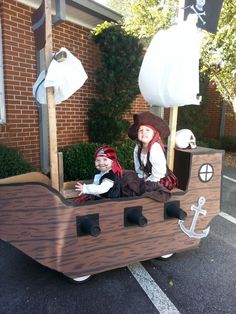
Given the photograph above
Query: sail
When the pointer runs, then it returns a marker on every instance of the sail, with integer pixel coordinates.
(169, 74)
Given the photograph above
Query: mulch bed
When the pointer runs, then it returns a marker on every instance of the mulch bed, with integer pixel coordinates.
(230, 159)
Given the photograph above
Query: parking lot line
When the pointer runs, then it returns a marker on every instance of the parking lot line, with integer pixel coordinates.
(228, 217)
(152, 290)
(230, 179)
(159, 299)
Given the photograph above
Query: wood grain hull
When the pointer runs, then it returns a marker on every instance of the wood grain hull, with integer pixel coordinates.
(37, 220)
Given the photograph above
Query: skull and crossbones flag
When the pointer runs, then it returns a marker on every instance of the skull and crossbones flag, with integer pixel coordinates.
(208, 12)
(38, 26)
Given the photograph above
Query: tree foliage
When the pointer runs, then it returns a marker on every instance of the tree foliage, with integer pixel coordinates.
(143, 18)
(219, 53)
(117, 5)
(116, 82)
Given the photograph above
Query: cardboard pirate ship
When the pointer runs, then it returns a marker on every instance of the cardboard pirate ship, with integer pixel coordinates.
(96, 236)
(84, 239)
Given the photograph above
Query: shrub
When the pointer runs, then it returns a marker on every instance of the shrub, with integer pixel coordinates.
(202, 142)
(12, 162)
(125, 154)
(116, 82)
(78, 159)
(210, 142)
(228, 143)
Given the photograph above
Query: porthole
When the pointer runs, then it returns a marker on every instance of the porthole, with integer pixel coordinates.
(206, 172)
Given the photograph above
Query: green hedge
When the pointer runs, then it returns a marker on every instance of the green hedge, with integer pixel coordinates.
(125, 152)
(227, 143)
(78, 159)
(209, 142)
(12, 162)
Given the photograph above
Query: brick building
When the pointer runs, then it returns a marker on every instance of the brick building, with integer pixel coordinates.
(20, 122)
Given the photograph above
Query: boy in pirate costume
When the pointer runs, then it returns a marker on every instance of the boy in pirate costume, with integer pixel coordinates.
(149, 158)
(107, 182)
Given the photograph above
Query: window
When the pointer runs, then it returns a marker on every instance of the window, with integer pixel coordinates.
(2, 94)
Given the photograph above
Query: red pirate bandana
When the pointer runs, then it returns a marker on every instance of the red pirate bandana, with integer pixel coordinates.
(108, 152)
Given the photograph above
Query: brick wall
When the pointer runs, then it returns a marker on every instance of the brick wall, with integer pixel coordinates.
(230, 121)
(214, 111)
(21, 130)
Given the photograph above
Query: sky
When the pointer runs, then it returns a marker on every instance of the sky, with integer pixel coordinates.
(103, 2)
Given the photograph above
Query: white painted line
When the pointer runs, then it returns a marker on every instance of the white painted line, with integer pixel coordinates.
(228, 217)
(230, 179)
(153, 291)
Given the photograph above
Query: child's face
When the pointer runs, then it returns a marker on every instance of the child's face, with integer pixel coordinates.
(103, 164)
(145, 134)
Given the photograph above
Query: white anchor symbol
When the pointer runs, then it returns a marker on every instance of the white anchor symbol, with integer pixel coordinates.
(198, 210)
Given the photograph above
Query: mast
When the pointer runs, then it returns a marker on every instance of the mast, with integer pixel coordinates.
(174, 111)
(51, 100)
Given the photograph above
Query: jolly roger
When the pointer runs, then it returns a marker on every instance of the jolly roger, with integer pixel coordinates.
(208, 12)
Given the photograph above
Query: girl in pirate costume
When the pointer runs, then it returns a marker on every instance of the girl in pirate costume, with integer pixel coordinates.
(107, 182)
(149, 158)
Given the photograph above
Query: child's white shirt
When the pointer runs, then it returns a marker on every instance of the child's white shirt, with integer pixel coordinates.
(157, 159)
(95, 188)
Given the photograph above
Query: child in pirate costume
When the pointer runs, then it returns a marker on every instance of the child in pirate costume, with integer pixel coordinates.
(106, 183)
(149, 158)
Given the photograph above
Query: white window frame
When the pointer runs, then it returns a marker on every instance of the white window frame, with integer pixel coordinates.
(2, 91)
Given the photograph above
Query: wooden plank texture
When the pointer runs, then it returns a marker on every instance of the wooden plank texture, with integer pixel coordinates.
(40, 222)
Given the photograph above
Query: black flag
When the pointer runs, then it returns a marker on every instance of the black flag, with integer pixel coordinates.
(208, 12)
(38, 26)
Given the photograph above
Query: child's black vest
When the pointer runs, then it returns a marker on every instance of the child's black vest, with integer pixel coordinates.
(147, 169)
(169, 181)
(115, 191)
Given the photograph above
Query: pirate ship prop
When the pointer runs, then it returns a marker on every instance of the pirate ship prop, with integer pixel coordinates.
(96, 236)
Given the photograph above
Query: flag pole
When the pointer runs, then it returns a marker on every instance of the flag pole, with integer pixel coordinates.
(51, 100)
(173, 111)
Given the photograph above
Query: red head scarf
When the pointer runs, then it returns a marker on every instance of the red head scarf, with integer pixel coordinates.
(108, 152)
(156, 138)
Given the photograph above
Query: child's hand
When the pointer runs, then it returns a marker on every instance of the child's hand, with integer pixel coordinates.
(79, 187)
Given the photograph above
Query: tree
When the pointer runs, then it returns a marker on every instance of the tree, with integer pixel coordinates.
(219, 53)
(116, 82)
(117, 5)
(143, 18)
